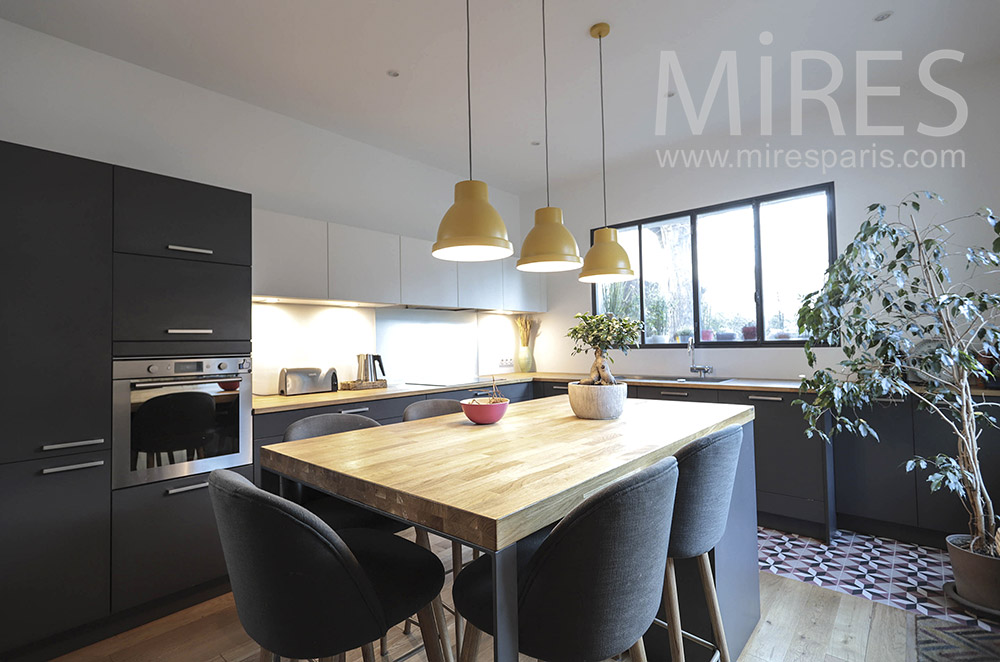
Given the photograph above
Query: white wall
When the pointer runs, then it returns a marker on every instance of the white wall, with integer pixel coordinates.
(642, 189)
(59, 96)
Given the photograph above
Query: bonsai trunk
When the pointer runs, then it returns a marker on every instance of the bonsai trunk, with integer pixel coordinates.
(600, 372)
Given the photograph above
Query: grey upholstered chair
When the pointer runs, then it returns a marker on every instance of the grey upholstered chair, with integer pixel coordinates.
(304, 591)
(431, 408)
(337, 513)
(590, 588)
(705, 488)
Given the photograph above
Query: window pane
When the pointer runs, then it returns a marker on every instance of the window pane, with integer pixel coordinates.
(666, 271)
(622, 299)
(794, 245)
(726, 275)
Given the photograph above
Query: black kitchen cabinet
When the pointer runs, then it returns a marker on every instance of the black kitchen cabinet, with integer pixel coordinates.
(513, 392)
(872, 481)
(795, 482)
(679, 393)
(548, 389)
(167, 217)
(164, 539)
(55, 263)
(56, 527)
(162, 303)
(942, 510)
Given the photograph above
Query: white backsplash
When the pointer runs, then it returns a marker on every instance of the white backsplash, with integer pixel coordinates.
(424, 346)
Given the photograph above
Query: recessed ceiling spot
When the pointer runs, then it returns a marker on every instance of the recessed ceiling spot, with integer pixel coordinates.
(392, 73)
(536, 143)
(882, 16)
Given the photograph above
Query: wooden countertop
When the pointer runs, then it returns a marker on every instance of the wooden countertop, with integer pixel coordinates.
(491, 485)
(266, 404)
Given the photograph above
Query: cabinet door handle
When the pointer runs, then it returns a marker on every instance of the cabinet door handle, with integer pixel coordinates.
(479, 394)
(187, 488)
(560, 388)
(675, 394)
(73, 467)
(189, 331)
(359, 410)
(190, 249)
(766, 398)
(72, 444)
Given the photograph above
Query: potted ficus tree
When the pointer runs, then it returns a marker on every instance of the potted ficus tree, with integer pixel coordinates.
(601, 396)
(906, 329)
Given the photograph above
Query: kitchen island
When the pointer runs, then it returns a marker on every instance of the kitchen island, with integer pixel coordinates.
(489, 486)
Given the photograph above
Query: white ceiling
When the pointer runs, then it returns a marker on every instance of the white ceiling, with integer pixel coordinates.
(324, 62)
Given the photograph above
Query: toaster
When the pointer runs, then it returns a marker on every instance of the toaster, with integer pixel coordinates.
(298, 381)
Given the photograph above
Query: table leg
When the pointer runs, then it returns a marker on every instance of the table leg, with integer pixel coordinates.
(505, 604)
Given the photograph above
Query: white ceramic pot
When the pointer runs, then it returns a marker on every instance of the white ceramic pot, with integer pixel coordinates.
(597, 402)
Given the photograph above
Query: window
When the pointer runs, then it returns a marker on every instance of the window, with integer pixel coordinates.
(732, 274)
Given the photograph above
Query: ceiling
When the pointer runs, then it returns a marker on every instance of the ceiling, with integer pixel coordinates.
(325, 62)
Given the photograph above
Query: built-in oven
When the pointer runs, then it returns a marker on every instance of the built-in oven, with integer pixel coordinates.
(175, 417)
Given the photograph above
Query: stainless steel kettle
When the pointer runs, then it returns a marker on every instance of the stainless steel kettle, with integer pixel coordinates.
(368, 366)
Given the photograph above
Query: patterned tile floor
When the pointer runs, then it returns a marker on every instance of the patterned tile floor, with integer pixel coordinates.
(899, 574)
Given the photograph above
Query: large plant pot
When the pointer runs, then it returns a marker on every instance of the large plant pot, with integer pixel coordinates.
(597, 402)
(977, 576)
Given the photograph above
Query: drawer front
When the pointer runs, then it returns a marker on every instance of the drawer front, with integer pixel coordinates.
(513, 392)
(163, 539)
(548, 389)
(157, 299)
(167, 217)
(273, 425)
(680, 393)
(56, 526)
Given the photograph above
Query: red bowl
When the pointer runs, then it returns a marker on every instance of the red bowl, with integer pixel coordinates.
(482, 413)
(230, 385)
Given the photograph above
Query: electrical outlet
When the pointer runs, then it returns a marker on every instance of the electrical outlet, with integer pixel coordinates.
(507, 363)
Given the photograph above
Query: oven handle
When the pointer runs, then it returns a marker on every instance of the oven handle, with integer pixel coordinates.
(193, 382)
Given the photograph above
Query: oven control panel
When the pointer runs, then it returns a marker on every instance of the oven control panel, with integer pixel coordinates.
(193, 367)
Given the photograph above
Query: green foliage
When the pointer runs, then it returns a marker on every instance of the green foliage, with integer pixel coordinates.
(621, 298)
(604, 332)
(886, 293)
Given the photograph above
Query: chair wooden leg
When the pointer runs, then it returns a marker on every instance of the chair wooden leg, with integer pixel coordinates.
(673, 610)
(456, 567)
(407, 627)
(437, 608)
(368, 652)
(428, 632)
(383, 645)
(470, 647)
(638, 652)
(714, 613)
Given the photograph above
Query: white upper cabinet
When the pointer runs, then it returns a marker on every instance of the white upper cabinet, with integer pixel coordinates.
(426, 280)
(523, 291)
(289, 256)
(364, 265)
(480, 285)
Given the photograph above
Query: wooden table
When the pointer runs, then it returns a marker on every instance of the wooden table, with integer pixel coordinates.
(490, 486)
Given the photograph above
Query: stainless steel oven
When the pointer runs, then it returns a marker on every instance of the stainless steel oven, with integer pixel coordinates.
(174, 417)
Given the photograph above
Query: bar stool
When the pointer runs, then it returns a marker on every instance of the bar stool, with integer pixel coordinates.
(304, 591)
(704, 489)
(590, 588)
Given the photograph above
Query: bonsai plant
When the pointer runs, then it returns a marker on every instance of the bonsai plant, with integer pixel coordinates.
(592, 397)
(890, 303)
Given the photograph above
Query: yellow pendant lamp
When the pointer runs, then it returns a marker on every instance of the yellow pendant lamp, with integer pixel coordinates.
(606, 261)
(471, 230)
(550, 246)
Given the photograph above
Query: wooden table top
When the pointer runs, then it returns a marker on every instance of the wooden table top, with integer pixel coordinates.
(493, 485)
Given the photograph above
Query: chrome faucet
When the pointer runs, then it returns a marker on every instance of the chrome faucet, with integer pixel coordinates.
(702, 370)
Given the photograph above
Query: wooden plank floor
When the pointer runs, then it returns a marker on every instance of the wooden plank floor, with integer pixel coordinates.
(799, 623)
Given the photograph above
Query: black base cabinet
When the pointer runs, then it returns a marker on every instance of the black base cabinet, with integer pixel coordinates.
(795, 479)
(56, 528)
(548, 389)
(164, 539)
(872, 481)
(942, 510)
(679, 393)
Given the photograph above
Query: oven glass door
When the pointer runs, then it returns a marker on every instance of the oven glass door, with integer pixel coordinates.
(175, 427)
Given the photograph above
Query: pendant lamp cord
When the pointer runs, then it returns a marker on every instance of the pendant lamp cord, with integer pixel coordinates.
(545, 79)
(604, 164)
(468, 77)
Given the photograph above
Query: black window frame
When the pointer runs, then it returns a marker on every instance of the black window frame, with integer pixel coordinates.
(692, 214)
